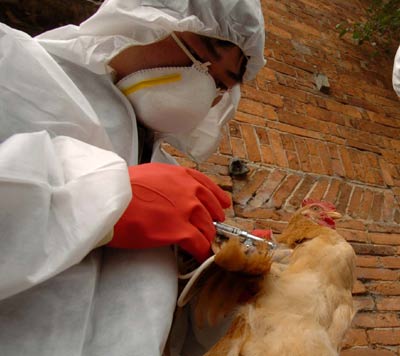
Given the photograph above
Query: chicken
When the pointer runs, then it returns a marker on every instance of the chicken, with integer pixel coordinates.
(305, 309)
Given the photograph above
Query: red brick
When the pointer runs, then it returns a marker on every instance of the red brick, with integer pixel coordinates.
(333, 151)
(386, 172)
(267, 156)
(316, 164)
(256, 213)
(368, 126)
(390, 262)
(351, 224)
(225, 144)
(333, 191)
(364, 303)
(251, 107)
(381, 118)
(262, 135)
(355, 201)
(214, 169)
(286, 188)
(368, 261)
(345, 109)
(309, 31)
(278, 31)
(249, 119)
(301, 191)
(384, 336)
(353, 235)
(324, 115)
(297, 131)
(238, 148)
(261, 96)
(355, 337)
(355, 156)
(387, 209)
(365, 205)
(302, 152)
(377, 273)
(277, 149)
(388, 303)
(384, 288)
(376, 320)
(304, 122)
(234, 129)
(358, 288)
(319, 188)
(376, 209)
(359, 172)
(288, 92)
(267, 74)
(293, 160)
(269, 185)
(368, 249)
(288, 143)
(365, 351)
(218, 159)
(347, 162)
(184, 162)
(337, 168)
(246, 193)
(281, 67)
(325, 158)
(251, 143)
(384, 239)
(223, 181)
(344, 197)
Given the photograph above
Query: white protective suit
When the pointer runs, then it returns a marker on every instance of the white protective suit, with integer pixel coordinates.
(67, 134)
(396, 73)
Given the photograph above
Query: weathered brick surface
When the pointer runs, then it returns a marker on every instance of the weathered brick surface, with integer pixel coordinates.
(343, 147)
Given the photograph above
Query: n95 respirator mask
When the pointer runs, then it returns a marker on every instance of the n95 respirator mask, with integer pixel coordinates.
(171, 99)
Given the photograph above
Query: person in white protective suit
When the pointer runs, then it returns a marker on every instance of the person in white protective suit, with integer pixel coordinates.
(396, 73)
(78, 106)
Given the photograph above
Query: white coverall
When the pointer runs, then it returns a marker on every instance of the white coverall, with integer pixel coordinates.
(396, 73)
(67, 134)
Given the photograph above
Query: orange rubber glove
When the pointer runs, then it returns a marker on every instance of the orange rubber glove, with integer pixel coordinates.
(171, 204)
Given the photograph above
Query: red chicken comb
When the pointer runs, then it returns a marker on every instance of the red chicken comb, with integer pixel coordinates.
(326, 204)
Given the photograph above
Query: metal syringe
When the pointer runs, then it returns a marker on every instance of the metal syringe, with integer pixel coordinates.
(220, 227)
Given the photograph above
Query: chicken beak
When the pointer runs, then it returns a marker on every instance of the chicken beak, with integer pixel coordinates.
(334, 215)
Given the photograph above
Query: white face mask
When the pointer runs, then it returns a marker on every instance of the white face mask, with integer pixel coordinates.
(171, 99)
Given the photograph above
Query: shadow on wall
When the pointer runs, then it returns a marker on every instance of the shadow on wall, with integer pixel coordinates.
(37, 16)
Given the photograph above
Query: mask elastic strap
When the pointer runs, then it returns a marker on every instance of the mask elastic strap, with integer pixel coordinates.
(201, 66)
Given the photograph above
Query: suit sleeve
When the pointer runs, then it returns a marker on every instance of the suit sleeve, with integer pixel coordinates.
(59, 199)
(396, 73)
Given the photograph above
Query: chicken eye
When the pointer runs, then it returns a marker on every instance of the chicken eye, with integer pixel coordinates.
(315, 208)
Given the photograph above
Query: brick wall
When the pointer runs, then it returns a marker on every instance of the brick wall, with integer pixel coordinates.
(343, 147)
